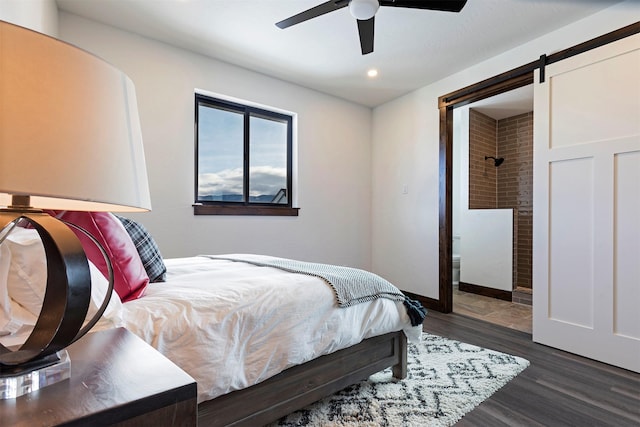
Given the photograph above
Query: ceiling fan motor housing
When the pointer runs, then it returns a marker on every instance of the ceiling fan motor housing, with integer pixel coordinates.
(363, 9)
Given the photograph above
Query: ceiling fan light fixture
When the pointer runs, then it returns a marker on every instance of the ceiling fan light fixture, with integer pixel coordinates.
(363, 9)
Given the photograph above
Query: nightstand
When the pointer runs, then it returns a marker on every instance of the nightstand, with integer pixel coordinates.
(116, 379)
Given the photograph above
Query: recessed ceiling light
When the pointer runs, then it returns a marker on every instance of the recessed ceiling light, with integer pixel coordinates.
(372, 72)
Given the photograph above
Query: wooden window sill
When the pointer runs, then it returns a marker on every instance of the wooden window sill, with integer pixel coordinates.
(244, 210)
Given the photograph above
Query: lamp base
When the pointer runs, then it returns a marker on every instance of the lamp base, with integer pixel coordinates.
(32, 376)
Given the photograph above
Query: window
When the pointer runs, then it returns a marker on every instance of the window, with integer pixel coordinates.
(243, 159)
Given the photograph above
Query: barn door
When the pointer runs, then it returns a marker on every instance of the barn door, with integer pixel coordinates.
(586, 247)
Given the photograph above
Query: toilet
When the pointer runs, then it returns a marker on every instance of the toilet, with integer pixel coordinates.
(455, 261)
(456, 269)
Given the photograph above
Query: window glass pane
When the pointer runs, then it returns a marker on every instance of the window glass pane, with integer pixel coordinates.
(267, 161)
(220, 155)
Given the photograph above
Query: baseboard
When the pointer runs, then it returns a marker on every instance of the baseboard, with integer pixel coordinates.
(522, 296)
(428, 303)
(485, 291)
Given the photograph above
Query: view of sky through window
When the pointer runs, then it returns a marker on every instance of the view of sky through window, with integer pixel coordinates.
(267, 158)
(220, 156)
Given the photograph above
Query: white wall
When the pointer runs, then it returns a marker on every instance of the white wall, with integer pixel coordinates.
(334, 155)
(460, 152)
(486, 248)
(405, 144)
(38, 15)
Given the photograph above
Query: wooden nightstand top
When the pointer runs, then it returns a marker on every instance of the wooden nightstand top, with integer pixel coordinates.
(115, 378)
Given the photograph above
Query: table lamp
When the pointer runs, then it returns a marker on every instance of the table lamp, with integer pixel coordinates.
(70, 139)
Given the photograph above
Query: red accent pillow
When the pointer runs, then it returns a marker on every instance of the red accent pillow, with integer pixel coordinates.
(130, 277)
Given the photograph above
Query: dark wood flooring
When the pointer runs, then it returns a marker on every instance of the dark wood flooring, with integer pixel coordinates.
(557, 389)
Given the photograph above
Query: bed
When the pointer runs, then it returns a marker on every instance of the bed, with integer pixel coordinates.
(308, 342)
(292, 343)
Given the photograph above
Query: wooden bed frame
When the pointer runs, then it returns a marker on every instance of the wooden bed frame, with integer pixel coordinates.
(304, 384)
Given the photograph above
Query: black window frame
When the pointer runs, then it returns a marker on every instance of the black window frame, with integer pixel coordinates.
(245, 207)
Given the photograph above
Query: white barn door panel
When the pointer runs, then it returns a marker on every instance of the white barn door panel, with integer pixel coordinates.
(586, 244)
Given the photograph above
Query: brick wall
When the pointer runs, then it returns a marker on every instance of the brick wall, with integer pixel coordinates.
(482, 173)
(515, 187)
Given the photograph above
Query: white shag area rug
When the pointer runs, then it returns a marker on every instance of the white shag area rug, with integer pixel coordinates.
(445, 380)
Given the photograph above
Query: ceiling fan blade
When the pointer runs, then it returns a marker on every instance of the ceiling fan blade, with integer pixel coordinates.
(443, 5)
(365, 29)
(321, 9)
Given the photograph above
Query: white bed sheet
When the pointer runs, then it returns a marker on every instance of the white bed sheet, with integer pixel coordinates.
(231, 325)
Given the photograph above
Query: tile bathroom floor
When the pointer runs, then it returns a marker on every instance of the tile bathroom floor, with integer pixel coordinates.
(505, 313)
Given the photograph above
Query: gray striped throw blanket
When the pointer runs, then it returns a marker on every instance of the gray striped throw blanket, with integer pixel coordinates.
(350, 285)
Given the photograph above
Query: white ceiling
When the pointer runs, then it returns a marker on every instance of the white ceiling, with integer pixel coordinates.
(507, 104)
(413, 47)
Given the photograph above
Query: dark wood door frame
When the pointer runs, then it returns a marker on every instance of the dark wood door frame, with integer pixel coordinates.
(496, 85)
(501, 83)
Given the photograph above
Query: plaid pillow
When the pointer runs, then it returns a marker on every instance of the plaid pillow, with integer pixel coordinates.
(147, 249)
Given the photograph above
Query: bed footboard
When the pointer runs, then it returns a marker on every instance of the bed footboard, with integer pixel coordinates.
(304, 384)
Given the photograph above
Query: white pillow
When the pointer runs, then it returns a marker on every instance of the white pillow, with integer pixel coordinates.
(27, 278)
(7, 324)
(113, 314)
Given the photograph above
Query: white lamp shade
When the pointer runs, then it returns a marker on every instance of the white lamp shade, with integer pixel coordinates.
(70, 134)
(363, 9)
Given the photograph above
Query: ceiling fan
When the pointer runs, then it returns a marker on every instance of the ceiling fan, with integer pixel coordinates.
(364, 11)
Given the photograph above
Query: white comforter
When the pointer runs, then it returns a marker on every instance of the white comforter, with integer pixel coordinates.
(231, 324)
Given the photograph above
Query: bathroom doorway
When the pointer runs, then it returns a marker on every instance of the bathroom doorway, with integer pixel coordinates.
(505, 82)
(492, 208)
